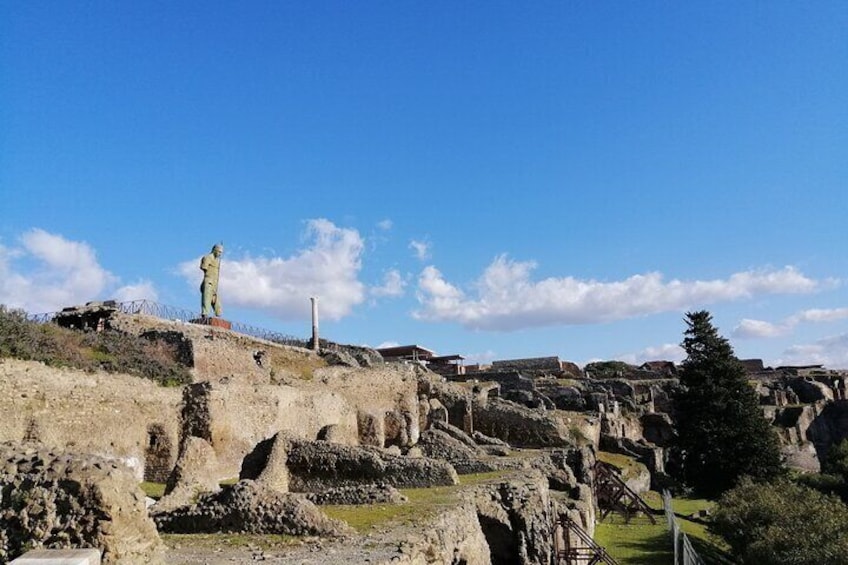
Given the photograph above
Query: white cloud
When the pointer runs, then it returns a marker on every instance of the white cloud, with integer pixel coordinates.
(832, 352)
(820, 315)
(664, 352)
(484, 358)
(748, 328)
(760, 329)
(385, 225)
(505, 298)
(327, 268)
(387, 344)
(142, 290)
(421, 248)
(47, 272)
(393, 285)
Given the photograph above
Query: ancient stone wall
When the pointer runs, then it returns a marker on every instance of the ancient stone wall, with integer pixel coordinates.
(388, 393)
(316, 466)
(534, 364)
(519, 426)
(112, 415)
(59, 500)
(235, 417)
(252, 508)
(517, 518)
(221, 355)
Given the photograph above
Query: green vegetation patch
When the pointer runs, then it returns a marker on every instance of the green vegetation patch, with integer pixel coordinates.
(628, 466)
(478, 478)
(609, 369)
(423, 503)
(642, 543)
(153, 490)
(293, 363)
(264, 542)
(638, 542)
(570, 382)
(111, 351)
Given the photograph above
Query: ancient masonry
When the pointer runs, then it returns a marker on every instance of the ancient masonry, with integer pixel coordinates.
(267, 435)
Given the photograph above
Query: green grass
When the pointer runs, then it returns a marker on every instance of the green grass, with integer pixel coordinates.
(636, 543)
(569, 382)
(628, 466)
(153, 490)
(423, 502)
(477, 478)
(231, 540)
(643, 543)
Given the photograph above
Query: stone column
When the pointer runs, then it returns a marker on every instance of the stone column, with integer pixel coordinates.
(315, 340)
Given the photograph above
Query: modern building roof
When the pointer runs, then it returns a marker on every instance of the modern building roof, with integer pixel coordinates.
(445, 358)
(406, 352)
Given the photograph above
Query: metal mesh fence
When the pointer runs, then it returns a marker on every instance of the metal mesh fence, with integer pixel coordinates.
(150, 308)
(684, 553)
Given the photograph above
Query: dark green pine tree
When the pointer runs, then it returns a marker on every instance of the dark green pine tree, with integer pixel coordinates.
(722, 434)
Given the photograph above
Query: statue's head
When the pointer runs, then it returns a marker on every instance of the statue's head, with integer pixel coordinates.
(217, 249)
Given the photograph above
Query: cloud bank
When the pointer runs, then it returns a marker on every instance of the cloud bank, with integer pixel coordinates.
(505, 298)
(46, 272)
(328, 267)
(748, 328)
(832, 352)
(664, 352)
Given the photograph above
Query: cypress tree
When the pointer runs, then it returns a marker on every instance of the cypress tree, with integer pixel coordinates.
(722, 434)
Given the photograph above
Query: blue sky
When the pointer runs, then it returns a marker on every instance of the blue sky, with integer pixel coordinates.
(492, 179)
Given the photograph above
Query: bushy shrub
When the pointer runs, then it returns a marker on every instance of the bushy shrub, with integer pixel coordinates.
(825, 483)
(782, 523)
(109, 350)
(609, 369)
(836, 461)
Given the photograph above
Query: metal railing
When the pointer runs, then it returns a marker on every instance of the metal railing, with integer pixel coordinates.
(684, 553)
(150, 308)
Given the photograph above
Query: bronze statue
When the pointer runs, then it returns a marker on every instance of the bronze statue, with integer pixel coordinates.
(211, 266)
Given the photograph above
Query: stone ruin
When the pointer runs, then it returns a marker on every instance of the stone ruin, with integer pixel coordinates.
(357, 431)
(61, 499)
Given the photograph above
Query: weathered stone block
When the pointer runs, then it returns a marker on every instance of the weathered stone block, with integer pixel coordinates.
(61, 500)
(59, 557)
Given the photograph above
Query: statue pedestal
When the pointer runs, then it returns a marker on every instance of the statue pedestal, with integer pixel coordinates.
(214, 322)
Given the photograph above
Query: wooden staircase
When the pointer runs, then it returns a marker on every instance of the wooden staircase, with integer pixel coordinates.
(613, 495)
(575, 547)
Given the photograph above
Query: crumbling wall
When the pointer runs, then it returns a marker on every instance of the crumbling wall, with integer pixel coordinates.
(519, 426)
(517, 518)
(315, 466)
(253, 508)
(59, 500)
(386, 396)
(507, 521)
(222, 355)
(99, 413)
(235, 417)
(533, 364)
